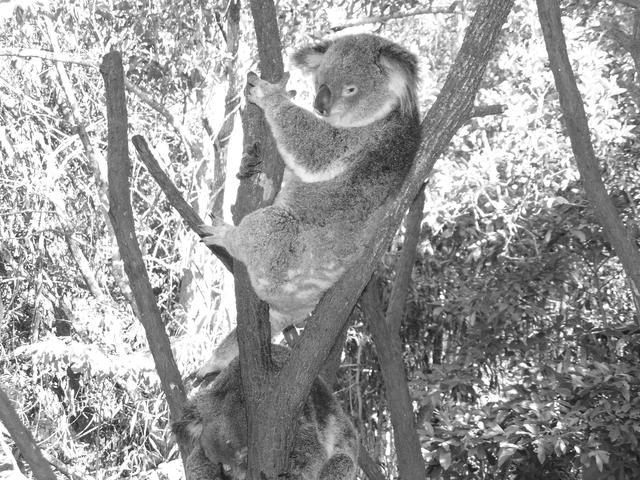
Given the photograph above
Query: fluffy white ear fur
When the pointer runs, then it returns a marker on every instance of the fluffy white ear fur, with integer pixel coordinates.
(401, 83)
(309, 58)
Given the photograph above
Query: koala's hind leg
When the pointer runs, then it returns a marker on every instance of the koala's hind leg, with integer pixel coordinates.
(199, 467)
(338, 467)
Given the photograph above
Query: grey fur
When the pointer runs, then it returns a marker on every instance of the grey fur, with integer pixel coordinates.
(342, 168)
(325, 447)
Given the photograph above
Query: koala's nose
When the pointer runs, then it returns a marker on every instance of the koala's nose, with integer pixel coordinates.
(322, 103)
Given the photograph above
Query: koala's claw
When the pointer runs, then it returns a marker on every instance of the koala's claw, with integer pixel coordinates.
(258, 89)
(214, 234)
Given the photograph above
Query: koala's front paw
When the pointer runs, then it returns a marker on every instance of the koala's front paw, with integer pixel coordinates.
(258, 90)
(215, 234)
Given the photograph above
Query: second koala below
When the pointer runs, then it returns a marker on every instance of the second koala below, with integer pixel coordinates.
(325, 447)
(342, 167)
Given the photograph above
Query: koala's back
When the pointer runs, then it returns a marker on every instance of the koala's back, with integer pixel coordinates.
(214, 418)
(332, 220)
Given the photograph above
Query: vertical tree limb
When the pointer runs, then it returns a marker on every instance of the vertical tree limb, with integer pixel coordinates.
(24, 440)
(269, 440)
(389, 349)
(119, 168)
(578, 129)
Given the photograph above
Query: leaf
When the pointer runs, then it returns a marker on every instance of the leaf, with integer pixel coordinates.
(560, 447)
(541, 452)
(579, 234)
(444, 458)
(505, 454)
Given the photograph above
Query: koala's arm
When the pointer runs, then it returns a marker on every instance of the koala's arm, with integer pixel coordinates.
(311, 147)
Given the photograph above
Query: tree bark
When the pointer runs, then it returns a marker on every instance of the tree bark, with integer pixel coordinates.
(575, 120)
(270, 440)
(276, 407)
(386, 336)
(389, 349)
(121, 213)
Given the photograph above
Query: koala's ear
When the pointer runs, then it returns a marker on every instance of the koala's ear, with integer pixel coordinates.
(396, 60)
(309, 58)
(401, 68)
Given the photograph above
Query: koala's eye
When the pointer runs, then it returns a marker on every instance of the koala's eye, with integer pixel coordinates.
(348, 90)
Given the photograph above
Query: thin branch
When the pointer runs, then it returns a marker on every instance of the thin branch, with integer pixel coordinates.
(487, 110)
(98, 164)
(68, 58)
(394, 16)
(175, 198)
(24, 440)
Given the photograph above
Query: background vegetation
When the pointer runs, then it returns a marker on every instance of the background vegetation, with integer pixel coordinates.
(521, 335)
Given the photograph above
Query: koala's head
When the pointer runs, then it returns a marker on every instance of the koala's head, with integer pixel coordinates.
(360, 79)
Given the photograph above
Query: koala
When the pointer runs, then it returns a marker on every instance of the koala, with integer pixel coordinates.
(343, 165)
(325, 446)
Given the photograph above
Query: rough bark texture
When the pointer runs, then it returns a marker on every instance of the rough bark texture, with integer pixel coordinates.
(269, 440)
(575, 120)
(119, 167)
(277, 405)
(24, 440)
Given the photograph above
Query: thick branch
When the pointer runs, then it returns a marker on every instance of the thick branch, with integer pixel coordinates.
(174, 197)
(24, 440)
(119, 167)
(404, 266)
(394, 16)
(578, 130)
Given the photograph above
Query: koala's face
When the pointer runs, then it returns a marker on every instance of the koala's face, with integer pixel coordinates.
(359, 79)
